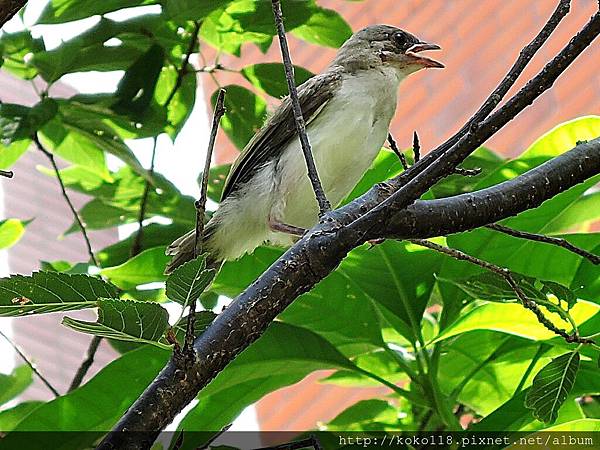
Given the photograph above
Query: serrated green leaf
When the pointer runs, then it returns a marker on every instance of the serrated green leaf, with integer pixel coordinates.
(60, 11)
(188, 281)
(126, 320)
(270, 77)
(244, 114)
(44, 292)
(11, 230)
(15, 383)
(146, 267)
(551, 386)
(180, 10)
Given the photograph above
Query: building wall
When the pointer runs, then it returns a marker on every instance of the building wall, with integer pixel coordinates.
(480, 41)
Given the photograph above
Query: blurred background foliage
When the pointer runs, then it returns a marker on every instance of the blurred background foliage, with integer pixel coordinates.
(433, 330)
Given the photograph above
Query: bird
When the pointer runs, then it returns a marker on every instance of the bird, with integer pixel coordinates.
(267, 196)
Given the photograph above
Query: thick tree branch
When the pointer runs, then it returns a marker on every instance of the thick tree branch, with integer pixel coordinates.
(8, 8)
(324, 205)
(318, 252)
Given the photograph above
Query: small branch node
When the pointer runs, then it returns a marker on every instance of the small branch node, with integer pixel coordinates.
(7, 173)
(467, 172)
(396, 150)
(416, 147)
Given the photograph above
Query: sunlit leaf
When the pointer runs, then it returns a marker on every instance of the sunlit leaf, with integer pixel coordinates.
(126, 320)
(270, 77)
(44, 292)
(143, 268)
(59, 11)
(551, 386)
(188, 281)
(11, 153)
(15, 383)
(11, 230)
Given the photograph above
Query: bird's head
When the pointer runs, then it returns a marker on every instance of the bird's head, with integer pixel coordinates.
(384, 45)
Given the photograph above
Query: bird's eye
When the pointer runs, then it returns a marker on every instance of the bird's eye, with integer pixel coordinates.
(400, 39)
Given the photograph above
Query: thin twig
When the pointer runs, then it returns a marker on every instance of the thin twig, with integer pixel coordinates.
(324, 205)
(136, 246)
(560, 242)
(86, 364)
(396, 150)
(183, 70)
(201, 203)
(416, 147)
(63, 189)
(30, 364)
(188, 346)
(508, 277)
(7, 173)
(213, 438)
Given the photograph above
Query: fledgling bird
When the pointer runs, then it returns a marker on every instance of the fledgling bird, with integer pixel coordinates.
(267, 196)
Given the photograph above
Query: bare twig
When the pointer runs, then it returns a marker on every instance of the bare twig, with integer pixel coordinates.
(188, 346)
(30, 364)
(507, 275)
(416, 147)
(560, 242)
(183, 70)
(6, 173)
(63, 189)
(213, 438)
(86, 363)
(136, 246)
(396, 150)
(324, 205)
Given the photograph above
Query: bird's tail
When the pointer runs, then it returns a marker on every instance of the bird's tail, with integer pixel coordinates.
(181, 250)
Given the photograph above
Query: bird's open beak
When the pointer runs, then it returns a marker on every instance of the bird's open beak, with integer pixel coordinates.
(424, 60)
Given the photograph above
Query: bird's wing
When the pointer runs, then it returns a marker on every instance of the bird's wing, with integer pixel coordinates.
(272, 138)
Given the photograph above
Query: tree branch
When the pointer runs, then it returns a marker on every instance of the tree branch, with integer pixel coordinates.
(7, 173)
(324, 205)
(319, 251)
(8, 8)
(86, 363)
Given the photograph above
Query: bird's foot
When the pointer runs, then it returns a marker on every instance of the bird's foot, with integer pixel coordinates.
(275, 225)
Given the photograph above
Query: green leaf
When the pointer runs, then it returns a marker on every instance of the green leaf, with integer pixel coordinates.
(513, 318)
(188, 281)
(587, 425)
(244, 114)
(270, 78)
(283, 355)
(11, 230)
(154, 235)
(21, 122)
(17, 49)
(181, 105)
(551, 386)
(11, 153)
(366, 415)
(126, 320)
(14, 384)
(11, 417)
(105, 398)
(378, 362)
(136, 89)
(44, 292)
(146, 267)
(324, 27)
(180, 10)
(60, 11)
(564, 137)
